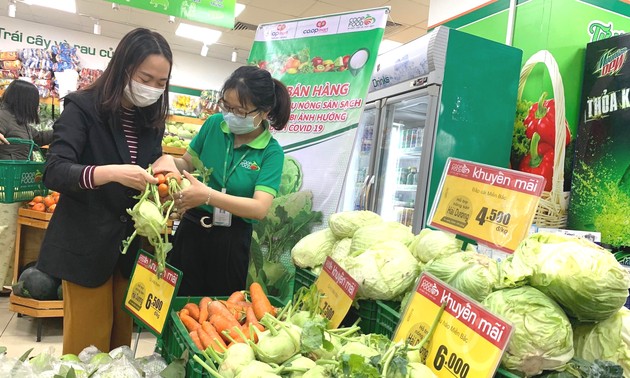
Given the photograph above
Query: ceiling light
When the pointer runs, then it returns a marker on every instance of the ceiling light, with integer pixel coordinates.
(97, 28)
(171, 19)
(69, 6)
(386, 45)
(115, 6)
(238, 9)
(234, 56)
(198, 33)
(12, 8)
(204, 50)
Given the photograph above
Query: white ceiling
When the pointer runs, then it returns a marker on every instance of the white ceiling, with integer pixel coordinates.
(410, 18)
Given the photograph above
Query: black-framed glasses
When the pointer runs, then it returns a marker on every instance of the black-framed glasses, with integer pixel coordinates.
(240, 113)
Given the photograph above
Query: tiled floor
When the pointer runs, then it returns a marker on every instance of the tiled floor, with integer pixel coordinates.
(19, 334)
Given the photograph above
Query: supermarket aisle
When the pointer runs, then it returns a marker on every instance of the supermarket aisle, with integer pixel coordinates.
(19, 334)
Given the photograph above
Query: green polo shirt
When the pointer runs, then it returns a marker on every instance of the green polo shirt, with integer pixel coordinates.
(254, 166)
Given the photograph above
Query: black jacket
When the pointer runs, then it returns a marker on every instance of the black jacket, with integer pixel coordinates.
(84, 237)
(11, 129)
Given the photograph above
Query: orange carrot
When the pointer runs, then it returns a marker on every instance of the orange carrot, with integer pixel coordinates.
(222, 322)
(190, 323)
(184, 311)
(217, 341)
(260, 301)
(193, 308)
(195, 338)
(251, 319)
(237, 296)
(203, 309)
(237, 311)
(216, 307)
(243, 304)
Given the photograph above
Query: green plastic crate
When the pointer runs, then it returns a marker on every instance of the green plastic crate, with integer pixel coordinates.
(387, 317)
(501, 373)
(175, 340)
(303, 278)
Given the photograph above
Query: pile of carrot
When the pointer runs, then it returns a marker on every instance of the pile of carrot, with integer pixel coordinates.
(217, 324)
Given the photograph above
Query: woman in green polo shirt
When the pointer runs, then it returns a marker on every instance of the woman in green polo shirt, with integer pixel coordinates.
(211, 245)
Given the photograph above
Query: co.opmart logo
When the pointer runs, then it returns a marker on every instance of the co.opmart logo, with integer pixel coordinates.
(320, 27)
(611, 62)
(361, 22)
(280, 31)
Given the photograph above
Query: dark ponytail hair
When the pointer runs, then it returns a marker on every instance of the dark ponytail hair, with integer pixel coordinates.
(21, 99)
(256, 86)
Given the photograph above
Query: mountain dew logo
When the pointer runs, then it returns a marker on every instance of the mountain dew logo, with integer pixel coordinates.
(251, 165)
(611, 62)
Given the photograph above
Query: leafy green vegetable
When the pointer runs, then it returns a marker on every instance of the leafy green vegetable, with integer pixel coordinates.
(372, 234)
(291, 179)
(429, 244)
(313, 249)
(344, 224)
(606, 340)
(542, 338)
(473, 273)
(584, 278)
(520, 141)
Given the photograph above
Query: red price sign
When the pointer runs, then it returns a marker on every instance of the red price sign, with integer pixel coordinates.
(339, 290)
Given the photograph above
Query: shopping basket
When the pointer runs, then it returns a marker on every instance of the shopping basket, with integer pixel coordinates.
(552, 209)
(21, 180)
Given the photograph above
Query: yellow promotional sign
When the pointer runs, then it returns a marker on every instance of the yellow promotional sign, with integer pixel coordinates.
(339, 290)
(468, 341)
(494, 206)
(149, 297)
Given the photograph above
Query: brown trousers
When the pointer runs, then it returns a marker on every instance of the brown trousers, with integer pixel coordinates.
(94, 316)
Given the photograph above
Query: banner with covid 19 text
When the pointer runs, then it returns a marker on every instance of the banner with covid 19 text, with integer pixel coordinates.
(327, 63)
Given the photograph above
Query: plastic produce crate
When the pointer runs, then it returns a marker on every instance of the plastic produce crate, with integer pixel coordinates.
(502, 373)
(175, 340)
(387, 317)
(303, 278)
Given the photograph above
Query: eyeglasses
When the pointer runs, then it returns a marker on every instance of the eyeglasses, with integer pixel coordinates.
(240, 113)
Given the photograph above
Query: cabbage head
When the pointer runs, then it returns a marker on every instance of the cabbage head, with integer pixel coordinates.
(293, 204)
(584, 278)
(344, 224)
(542, 337)
(341, 251)
(429, 244)
(291, 179)
(606, 340)
(367, 236)
(472, 273)
(313, 249)
(385, 271)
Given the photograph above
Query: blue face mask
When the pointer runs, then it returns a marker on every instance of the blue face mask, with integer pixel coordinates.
(238, 125)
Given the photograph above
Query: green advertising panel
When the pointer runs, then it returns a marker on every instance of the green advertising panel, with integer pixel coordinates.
(213, 12)
(326, 64)
(553, 36)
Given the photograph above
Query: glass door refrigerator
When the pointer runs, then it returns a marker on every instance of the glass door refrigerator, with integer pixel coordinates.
(446, 94)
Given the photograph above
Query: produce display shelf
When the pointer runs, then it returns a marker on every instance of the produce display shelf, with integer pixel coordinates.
(175, 151)
(174, 341)
(184, 119)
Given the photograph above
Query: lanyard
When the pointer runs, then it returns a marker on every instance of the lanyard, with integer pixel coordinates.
(226, 174)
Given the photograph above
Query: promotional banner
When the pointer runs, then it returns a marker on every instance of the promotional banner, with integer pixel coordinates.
(213, 12)
(326, 62)
(556, 31)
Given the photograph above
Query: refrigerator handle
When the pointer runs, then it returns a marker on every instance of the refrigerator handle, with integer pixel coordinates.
(362, 197)
(367, 192)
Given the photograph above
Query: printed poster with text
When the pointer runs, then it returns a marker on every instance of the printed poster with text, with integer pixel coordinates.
(326, 63)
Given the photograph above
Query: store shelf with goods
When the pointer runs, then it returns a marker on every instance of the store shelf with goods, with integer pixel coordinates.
(410, 153)
(175, 151)
(406, 188)
(184, 119)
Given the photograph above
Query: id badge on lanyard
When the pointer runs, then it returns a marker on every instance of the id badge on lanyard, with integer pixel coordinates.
(221, 217)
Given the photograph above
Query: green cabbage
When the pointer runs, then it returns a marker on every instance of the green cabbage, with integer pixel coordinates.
(384, 271)
(472, 273)
(542, 337)
(291, 179)
(429, 244)
(341, 251)
(344, 224)
(313, 249)
(606, 340)
(584, 278)
(293, 204)
(367, 236)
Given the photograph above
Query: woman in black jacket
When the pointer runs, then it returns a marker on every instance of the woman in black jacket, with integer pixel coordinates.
(18, 112)
(104, 140)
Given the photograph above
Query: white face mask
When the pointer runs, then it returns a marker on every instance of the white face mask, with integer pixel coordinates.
(240, 126)
(143, 95)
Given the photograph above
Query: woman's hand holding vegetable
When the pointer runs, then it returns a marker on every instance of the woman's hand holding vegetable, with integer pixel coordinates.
(129, 175)
(194, 195)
